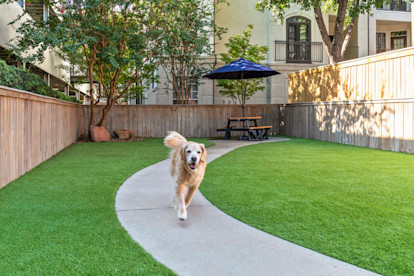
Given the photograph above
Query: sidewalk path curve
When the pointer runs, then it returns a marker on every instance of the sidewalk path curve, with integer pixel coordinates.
(210, 242)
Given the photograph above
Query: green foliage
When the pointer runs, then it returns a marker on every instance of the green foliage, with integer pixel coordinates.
(186, 44)
(240, 47)
(353, 8)
(18, 78)
(112, 43)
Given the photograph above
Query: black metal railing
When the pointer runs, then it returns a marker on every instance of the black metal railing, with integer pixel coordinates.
(396, 5)
(298, 51)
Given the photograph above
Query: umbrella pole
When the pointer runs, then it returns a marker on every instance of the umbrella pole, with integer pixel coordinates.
(243, 101)
(243, 96)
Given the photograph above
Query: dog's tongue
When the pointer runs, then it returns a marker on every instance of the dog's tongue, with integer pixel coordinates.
(193, 166)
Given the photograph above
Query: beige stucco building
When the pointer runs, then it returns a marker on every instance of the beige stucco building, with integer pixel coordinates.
(295, 45)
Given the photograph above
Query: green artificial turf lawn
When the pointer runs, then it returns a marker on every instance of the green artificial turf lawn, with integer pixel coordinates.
(354, 204)
(60, 219)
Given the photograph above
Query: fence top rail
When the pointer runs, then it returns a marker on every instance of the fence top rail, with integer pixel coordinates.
(298, 42)
(353, 102)
(22, 94)
(188, 105)
(409, 51)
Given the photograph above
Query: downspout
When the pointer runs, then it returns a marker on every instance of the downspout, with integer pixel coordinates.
(268, 82)
(412, 24)
(215, 56)
(368, 33)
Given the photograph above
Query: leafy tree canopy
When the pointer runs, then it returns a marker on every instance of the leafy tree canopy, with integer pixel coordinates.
(112, 42)
(187, 44)
(347, 12)
(240, 47)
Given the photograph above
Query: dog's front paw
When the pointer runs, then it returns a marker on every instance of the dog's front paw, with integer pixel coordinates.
(182, 214)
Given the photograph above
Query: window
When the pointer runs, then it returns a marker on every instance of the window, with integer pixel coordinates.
(154, 82)
(21, 3)
(398, 5)
(45, 13)
(398, 40)
(381, 42)
(193, 93)
(298, 31)
(402, 33)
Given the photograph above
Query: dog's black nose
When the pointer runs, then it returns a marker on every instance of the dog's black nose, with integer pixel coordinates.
(194, 159)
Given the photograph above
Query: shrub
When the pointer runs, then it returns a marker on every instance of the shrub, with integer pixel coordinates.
(18, 78)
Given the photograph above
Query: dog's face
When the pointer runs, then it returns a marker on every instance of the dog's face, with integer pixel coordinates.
(193, 153)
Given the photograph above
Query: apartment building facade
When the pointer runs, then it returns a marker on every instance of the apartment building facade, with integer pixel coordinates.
(294, 45)
(51, 70)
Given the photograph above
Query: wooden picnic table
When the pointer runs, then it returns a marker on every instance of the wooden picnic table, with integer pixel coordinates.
(253, 132)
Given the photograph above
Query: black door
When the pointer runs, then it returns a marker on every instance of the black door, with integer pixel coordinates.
(298, 48)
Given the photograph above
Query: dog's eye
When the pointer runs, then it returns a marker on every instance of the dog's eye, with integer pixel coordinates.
(188, 151)
(198, 152)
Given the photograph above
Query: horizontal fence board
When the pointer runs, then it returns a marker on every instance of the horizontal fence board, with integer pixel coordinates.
(189, 120)
(33, 129)
(383, 76)
(387, 125)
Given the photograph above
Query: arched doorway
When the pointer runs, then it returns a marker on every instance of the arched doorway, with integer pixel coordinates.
(298, 37)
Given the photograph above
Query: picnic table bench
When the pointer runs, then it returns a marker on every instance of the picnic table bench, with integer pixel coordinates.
(253, 132)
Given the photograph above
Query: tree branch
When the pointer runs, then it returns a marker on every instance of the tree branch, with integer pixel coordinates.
(322, 29)
(347, 38)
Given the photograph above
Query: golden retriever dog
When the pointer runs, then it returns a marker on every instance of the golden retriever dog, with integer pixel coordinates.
(188, 164)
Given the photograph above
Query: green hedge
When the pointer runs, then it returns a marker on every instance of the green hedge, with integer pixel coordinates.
(18, 78)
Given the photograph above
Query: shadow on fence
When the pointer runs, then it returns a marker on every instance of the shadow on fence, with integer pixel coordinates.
(383, 125)
(384, 76)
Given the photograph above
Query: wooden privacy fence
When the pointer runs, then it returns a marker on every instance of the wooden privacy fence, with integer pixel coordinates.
(189, 120)
(380, 124)
(366, 102)
(383, 76)
(33, 128)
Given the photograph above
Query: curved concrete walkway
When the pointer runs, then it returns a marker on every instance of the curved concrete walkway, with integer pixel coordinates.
(210, 242)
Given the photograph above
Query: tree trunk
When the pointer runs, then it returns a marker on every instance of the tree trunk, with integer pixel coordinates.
(335, 55)
(105, 112)
(110, 102)
(333, 48)
(92, 104)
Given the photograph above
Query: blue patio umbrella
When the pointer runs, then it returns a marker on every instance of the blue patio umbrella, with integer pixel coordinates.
(239, 70)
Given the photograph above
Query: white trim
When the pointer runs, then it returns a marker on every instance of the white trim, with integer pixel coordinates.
(354, 102)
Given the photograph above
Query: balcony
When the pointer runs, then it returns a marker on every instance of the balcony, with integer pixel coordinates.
(396, 5)
(298, 51)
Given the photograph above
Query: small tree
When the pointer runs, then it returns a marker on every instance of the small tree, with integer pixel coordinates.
(347, 12)
(240, 47)
(187, 43)
(113, 41)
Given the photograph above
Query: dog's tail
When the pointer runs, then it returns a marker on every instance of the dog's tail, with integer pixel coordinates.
(174, 140)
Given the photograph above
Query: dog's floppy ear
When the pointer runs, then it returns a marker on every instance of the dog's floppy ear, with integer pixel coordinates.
(204, 153)
(182, 152)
